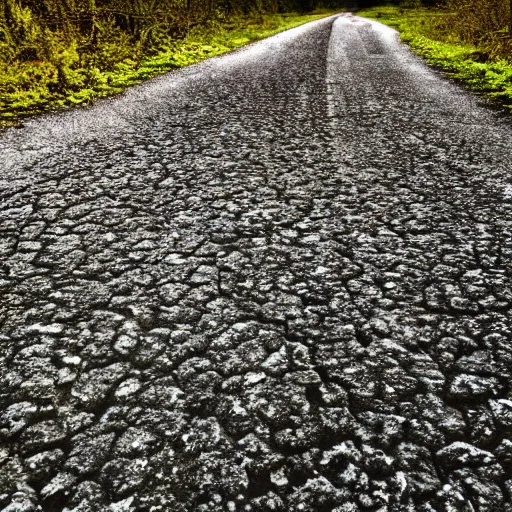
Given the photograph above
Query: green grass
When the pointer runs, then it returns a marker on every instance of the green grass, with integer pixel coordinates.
(28, 88)
(472, 65)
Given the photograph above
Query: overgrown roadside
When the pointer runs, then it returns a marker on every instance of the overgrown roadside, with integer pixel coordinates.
(31, 87)
(484, 64)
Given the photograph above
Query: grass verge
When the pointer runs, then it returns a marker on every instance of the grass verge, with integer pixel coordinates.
(28, 88)
(472, 65)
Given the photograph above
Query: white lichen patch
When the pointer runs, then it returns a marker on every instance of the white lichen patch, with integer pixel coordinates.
(127, 388)
(46, 329)
(253, 378)
(279, 477)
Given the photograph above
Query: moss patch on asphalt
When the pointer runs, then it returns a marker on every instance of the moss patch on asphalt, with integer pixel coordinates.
(28, 88)
(472, 65)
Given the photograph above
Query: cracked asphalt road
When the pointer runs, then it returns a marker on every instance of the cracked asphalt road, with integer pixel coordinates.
(279, 280)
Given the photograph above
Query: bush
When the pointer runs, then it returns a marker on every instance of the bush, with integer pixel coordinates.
(483, 23)
(478, 20)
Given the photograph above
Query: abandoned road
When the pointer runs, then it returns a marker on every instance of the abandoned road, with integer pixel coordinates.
(279, 280)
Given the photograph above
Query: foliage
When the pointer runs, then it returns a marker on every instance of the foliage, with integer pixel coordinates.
(482, 22)
(432, 33)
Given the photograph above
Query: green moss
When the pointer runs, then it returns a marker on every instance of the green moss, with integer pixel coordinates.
(68, 79)
(474, 66)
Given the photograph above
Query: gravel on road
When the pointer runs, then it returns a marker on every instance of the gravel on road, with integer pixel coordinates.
(279, 280)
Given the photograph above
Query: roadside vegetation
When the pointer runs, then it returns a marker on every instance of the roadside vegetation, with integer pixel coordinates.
(59, 53)
(471, 41)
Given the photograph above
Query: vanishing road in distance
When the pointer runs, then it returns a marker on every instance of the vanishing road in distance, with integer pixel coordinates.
(278, 280)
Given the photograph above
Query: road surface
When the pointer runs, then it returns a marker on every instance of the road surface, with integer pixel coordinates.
(279, 280)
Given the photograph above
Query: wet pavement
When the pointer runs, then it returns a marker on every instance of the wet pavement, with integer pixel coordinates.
(279, 280)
